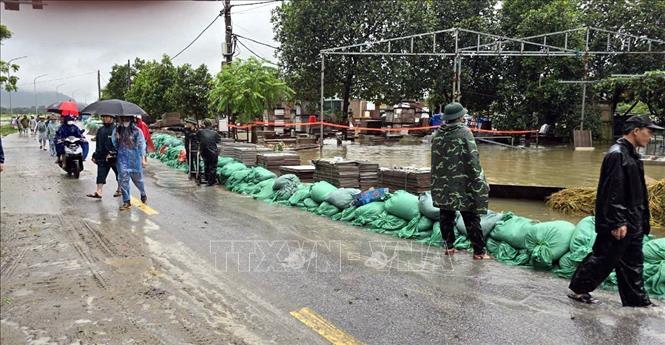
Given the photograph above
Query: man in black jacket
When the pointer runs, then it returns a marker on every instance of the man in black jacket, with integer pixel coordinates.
(208, 140)
(622, 220)
(104, 156)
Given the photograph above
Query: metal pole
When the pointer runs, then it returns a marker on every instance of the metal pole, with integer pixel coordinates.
(99, 85)
(323, 71)
(34, 90)
(9, 75)
(229, 31)
(583, 100)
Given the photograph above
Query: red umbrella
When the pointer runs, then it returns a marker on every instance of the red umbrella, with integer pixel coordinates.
(64, 108)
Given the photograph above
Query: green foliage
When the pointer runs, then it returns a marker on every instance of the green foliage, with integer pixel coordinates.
(7, 81)
(149, 87)
(118, 85)
(189, 93)
(247, 88)
(647, 88)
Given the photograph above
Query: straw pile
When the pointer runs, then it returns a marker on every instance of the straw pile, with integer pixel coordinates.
(582, 201)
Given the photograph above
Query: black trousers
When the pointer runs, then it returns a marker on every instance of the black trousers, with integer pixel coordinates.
(210, 162)
(626, 257)
(472, 224)
(103, 170)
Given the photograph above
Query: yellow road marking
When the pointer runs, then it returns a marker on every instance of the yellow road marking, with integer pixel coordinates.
(322, 326)
(143, 207)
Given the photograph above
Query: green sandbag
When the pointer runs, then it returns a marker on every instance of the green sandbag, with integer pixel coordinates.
(462, 243)
(343, 197)
(403, 204)
(236, 178)
(327, 209)
(265, 191)
(321, 190)
(287, 190)
(345, 213)
(581, 245)
(259, 174)
(487, 222)
(584, 235)
(654, 266)
(222, 161)
(366, 214)
(388, 223)
(547, 242)
(426, 207)
(503, 252)
(310, 204)
(654, 251)
(512, 230)
(300, 195)
(230, 168)
(435, 238)
(286, 180)
(420, 224)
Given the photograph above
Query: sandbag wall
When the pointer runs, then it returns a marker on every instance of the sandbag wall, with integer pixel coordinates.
(555, 246)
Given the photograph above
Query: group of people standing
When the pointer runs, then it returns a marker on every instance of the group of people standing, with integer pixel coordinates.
(122, 145)
(201, 141)
(622, 205)
(43, 128)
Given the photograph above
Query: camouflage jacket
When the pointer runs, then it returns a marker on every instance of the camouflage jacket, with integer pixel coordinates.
(458, 180)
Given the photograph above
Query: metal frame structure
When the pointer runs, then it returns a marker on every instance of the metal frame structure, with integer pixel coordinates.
(459, 43)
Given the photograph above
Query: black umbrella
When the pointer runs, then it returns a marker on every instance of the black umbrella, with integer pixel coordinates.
(113, 107)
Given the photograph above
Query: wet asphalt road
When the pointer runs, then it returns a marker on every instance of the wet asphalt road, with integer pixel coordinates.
(269, 261)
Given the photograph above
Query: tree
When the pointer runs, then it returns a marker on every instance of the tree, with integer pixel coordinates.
(7, 80)
(189, 93)
(247, 88)
(304, 27)
(118, 84)
(648, 88)
(150, 87)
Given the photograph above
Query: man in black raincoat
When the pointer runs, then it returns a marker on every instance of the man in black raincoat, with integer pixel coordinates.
(208, 140)
(622, 220)
(191, 143)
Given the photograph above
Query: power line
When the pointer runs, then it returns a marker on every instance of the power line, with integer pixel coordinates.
(199, 35)
(253, 9)
(255, 54)
(256, 3)
(261, 43)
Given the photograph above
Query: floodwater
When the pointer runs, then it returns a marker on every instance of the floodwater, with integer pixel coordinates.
(549, 166)
(552, 166)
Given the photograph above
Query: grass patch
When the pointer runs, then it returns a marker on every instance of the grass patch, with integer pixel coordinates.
(7, 129)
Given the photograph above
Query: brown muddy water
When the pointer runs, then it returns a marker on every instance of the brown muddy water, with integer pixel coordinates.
(550, 166)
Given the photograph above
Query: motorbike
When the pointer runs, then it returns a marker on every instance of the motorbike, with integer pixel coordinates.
(72, 160)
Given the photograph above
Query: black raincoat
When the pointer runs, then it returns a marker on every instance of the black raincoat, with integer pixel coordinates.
(622, 200)
(208, 140)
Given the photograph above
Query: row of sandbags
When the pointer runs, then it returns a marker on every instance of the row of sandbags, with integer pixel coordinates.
(558, 246)
(169, 150)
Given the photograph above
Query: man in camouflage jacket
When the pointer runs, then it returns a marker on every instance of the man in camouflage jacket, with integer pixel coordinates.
(458, 180)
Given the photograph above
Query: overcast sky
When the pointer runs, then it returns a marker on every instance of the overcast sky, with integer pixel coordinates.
(70, 40)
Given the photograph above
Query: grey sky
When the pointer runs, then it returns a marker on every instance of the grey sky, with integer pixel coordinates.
(72, 40)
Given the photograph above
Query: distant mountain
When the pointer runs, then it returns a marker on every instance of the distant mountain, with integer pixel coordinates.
(27, 99)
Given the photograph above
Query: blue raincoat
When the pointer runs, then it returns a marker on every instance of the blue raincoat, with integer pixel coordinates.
(129, 156)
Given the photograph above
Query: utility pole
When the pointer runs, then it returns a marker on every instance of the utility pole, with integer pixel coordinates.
(99, 86)
(228, 56)
(129, 75)
(228, 29)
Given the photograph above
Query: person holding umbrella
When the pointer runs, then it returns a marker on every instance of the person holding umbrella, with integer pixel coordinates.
(105, 156)
(130, 145)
